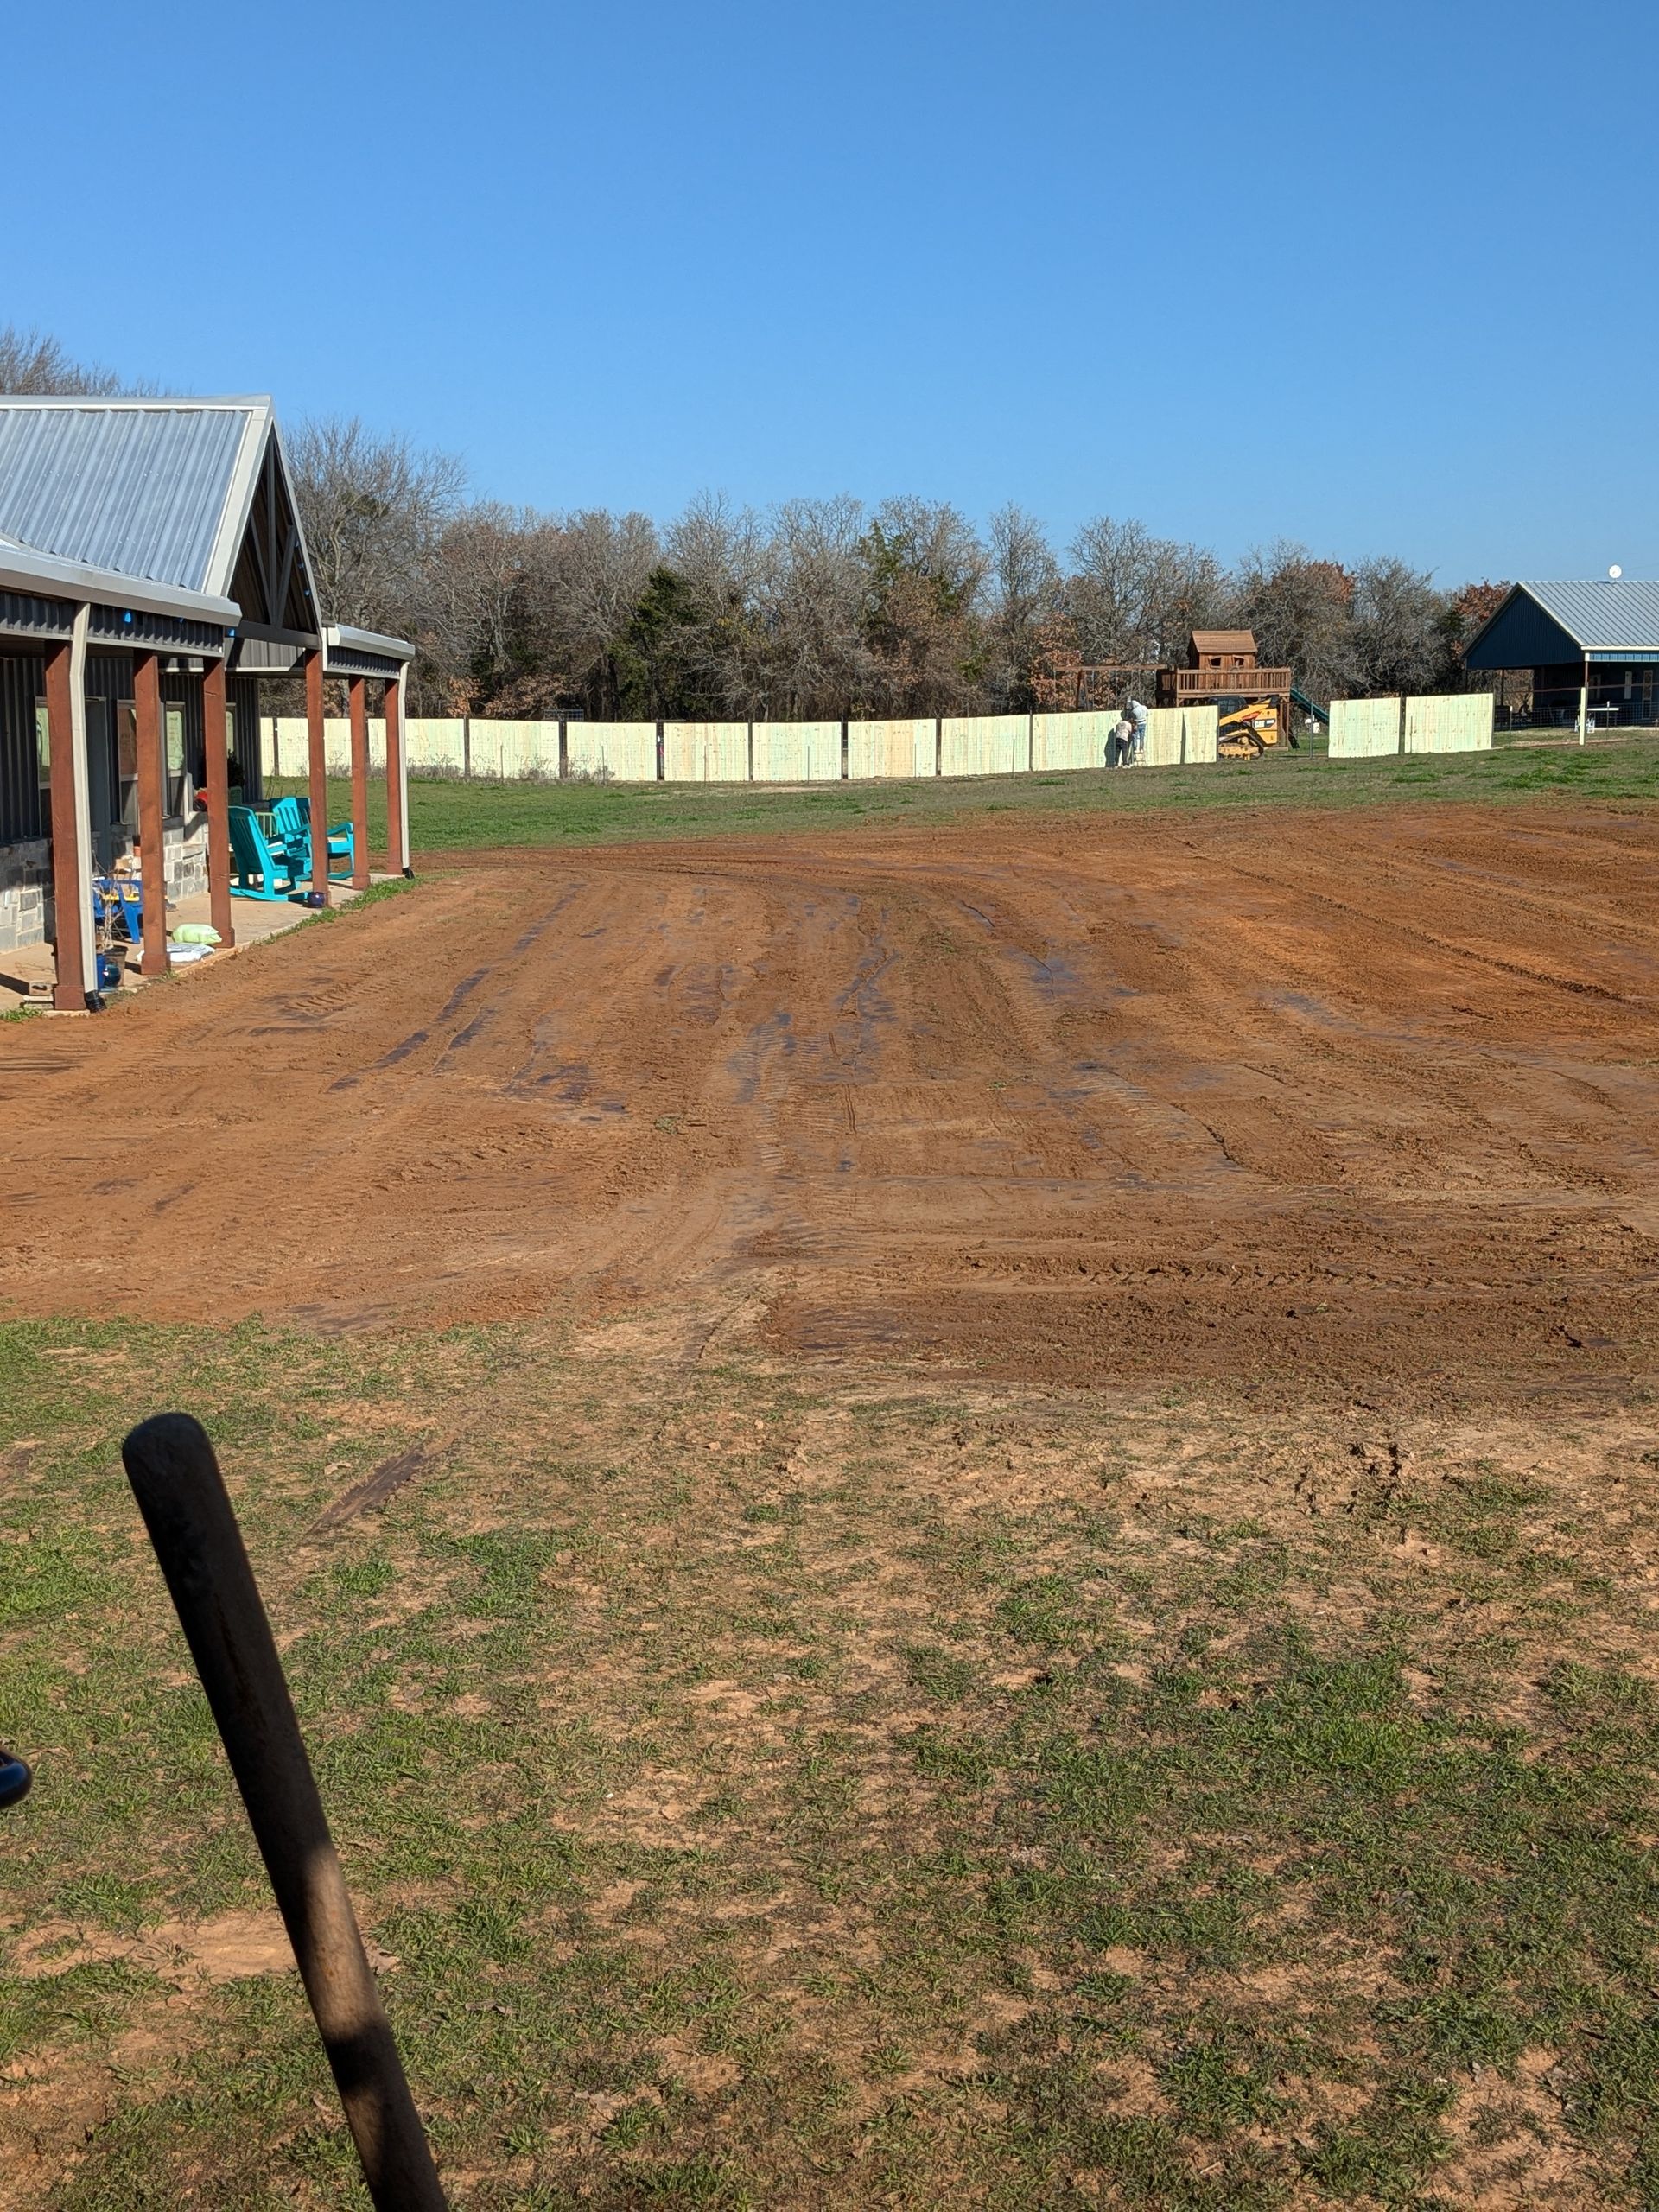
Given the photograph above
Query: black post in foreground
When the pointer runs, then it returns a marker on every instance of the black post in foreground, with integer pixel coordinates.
(191, 1524)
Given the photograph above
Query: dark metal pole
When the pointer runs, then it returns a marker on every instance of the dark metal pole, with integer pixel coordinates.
(191, 1524)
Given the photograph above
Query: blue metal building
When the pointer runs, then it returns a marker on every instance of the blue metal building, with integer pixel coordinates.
(1591, 646)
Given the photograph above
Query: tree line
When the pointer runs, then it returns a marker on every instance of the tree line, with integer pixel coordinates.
(816, 608)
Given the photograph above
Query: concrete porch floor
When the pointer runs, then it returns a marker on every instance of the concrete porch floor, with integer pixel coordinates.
(253, 920)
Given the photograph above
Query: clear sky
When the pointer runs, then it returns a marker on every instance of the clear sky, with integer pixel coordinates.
(1378, 275)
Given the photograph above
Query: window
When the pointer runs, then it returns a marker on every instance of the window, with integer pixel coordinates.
(43, 742)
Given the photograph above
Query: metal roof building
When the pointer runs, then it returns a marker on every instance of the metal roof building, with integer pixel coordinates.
(1593, 646)
(153, 570)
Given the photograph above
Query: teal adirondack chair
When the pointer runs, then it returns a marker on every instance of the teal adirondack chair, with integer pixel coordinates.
(258, 868)
(293, 818)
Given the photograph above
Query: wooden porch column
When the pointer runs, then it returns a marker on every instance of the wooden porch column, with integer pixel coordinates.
(319, 772)
(397, 855)
(70, 890)
(214, 739)
(152, 808)
(358, 693)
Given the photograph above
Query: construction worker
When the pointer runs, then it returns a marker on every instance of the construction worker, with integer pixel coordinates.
(1120, 740)
(1137, 715)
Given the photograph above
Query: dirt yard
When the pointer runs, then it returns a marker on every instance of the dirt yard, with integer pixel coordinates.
(1356, 1102)
(960, 1518)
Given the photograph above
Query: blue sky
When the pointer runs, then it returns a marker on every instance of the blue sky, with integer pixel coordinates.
(1377, 276)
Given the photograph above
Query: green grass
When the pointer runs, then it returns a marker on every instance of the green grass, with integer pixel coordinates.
(762, 1808)
(447, 815)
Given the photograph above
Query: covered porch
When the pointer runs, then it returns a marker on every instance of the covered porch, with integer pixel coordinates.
(129, 694)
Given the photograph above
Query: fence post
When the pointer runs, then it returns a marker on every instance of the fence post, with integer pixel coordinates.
(843, 748)
(467, 747)
(938, 745)
(564, 751)
(662, 771)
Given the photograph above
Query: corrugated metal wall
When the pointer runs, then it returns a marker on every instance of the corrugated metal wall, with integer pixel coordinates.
(795, 752)
(705, 753)
(984, 745)
(24, 808)
(1364, 730)
(242, 705)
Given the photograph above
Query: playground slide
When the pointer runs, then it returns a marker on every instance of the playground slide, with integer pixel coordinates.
(1301, 699)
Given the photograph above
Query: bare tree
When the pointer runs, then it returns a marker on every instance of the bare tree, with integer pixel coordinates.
(816, 655)
(1301, 610)
(31, 362)
(1134, 598)
(1025, 595)
(1402, 640)
(374, 508)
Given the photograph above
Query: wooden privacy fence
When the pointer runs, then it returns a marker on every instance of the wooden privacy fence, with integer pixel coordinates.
(1362, 729)
(831, 752)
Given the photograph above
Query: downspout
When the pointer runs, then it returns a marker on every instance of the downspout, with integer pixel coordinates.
(82, 781)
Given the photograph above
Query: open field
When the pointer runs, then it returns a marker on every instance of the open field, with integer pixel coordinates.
(449, 815)
(1011, 1551)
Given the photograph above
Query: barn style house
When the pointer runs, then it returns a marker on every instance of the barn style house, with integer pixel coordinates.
(1591, 648)
(153, 573)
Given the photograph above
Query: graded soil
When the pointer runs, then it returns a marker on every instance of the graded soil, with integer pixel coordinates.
(1311, 1102)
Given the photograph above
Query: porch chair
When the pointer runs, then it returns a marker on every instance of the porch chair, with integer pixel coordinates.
(293, 818)
(258, 869)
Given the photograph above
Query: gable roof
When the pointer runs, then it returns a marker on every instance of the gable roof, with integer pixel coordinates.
(1535, 621)
(161, 491)
(1224, 641)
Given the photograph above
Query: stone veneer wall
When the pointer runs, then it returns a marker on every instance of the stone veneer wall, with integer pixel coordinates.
(26, 916)
(25, 872)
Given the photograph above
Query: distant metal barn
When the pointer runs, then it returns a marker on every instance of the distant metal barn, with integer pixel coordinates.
(1591, 648)
(152, 571)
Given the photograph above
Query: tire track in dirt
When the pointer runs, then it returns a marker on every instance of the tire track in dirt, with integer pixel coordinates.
(1137, 1103)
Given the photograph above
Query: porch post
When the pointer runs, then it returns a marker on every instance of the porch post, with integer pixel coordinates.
(152, 808)
(319, 771)
(357, 691)
(397, 781)
(215, 740)
(70, 888)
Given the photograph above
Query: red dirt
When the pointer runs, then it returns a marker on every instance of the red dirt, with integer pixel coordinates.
(1341, 1101)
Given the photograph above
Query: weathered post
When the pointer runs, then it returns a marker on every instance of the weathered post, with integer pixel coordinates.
(192, 1527)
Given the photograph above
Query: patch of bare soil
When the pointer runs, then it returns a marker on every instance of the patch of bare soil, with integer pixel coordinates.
(1354, 1103)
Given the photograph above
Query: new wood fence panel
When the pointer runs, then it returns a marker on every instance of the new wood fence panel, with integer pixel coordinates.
(514, 752)
(797, 752)
(626, 751)
(890, 749)
(1069, 741)
(1361, 729)
(1460, 722)
(984, 745)
(1164, 729)
(706, 753)
(1198, 735)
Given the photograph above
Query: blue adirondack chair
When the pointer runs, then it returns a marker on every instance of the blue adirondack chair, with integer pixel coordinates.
(258, 868)
(293, 818)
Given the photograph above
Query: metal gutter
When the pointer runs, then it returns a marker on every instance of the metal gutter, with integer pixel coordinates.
(45, 576)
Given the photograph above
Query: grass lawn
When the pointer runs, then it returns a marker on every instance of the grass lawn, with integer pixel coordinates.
(775, 1791)
(447, 815)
